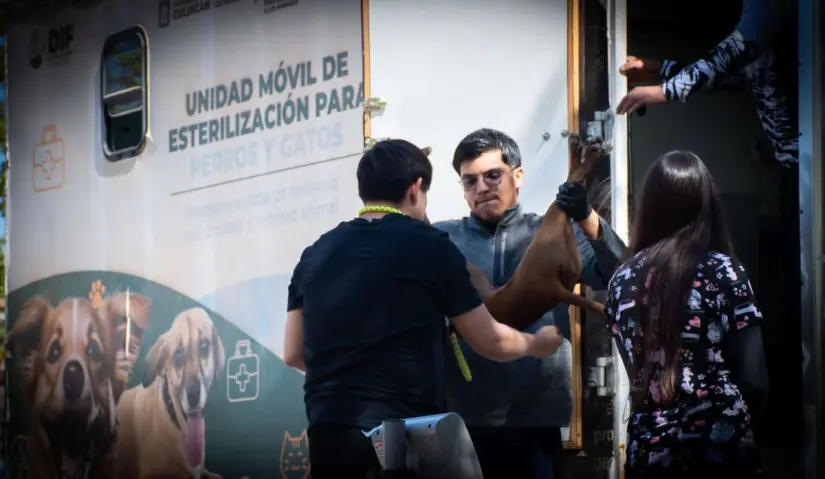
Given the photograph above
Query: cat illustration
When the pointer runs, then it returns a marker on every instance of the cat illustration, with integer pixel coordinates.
(295, 456)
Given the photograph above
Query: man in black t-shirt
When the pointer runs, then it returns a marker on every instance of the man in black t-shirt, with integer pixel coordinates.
(366, 315)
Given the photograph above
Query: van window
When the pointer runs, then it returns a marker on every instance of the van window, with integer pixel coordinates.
(125, 94)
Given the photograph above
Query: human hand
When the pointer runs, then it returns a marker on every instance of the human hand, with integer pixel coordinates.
(546, 341)
(640, 70)
(572, 199)
(639, 97)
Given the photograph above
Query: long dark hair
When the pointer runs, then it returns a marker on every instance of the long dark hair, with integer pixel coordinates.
(678, 218)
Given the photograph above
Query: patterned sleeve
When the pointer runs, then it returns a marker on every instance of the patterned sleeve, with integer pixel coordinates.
(759, 24)
(738, 303)
(613, 311)
(724, 60)
(730, 81)
(610, 305)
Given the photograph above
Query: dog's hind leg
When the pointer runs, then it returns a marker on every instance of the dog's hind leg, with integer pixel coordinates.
(570, 297)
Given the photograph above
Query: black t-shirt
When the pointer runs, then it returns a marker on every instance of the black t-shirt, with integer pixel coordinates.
(375, 295)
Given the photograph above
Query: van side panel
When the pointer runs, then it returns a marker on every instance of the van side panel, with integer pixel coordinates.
(147, 296)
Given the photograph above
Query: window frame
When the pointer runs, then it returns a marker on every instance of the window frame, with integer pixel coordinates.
(128, 94)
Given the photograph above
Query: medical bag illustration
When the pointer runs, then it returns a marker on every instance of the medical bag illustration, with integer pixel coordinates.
(242, 373)
(49, 161)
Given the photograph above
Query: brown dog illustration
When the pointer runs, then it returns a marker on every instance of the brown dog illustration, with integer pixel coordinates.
(161, 427)
(68, 357)
(552, 264)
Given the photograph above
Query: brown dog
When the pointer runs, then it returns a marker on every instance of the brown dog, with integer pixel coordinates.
(552, 264)
(161, 423)
(68, 356)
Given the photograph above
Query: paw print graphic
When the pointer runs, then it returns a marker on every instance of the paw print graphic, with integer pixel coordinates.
(739, 291)
(96, 293)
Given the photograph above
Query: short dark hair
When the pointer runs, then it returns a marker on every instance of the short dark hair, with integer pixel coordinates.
(481, 141)
(388, 169)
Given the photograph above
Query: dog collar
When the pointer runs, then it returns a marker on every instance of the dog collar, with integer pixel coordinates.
(170, 405)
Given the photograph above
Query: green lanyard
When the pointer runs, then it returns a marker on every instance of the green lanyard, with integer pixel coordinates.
(459, 354)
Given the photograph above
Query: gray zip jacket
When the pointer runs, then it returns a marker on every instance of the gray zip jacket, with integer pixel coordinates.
(527, 392)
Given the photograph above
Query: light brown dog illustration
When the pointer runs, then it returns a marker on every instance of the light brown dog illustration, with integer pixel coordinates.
(161, 427)
(68, 357)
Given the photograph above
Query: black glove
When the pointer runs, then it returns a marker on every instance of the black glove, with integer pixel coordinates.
(572, 199)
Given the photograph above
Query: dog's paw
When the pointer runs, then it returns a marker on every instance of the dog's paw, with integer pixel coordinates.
(574, 144)
(96, 293)
(592, 148)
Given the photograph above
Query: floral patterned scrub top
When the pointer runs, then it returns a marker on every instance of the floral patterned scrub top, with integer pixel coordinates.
(708, 421)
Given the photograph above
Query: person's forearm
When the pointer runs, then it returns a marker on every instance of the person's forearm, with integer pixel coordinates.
(508, 344)
(724, 60)
(608, 251)
(294, 357)
(669, 68)
(297, 363)
(746, 360)
(591, 225)
(728, 81)
(294, 340)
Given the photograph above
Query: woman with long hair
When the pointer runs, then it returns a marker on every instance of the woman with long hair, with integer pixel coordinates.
(684, 315)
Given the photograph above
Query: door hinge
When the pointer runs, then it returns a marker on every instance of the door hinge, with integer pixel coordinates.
(602, 127)
(602, 376)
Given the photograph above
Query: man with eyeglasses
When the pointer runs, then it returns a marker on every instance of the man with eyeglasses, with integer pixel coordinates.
(515, 411)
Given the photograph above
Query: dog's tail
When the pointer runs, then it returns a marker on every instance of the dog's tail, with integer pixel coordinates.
(570, 297)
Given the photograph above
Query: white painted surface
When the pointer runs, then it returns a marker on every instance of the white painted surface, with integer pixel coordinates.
(144, 216)
(448, 68)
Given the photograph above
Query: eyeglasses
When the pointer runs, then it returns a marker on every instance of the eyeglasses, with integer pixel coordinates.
(491, 178)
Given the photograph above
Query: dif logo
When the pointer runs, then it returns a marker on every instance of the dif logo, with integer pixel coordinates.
(55, 46)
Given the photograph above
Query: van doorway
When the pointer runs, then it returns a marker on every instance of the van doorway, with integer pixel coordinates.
(761, 197)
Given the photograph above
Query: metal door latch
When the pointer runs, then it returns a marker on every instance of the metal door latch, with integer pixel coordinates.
(374, 104)
(593, 131)
(602, 376)
(370, 142)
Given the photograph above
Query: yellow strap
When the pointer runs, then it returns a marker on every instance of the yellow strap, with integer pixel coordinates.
(459, 357)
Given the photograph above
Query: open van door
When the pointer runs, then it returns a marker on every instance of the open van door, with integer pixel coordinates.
(603, 41)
